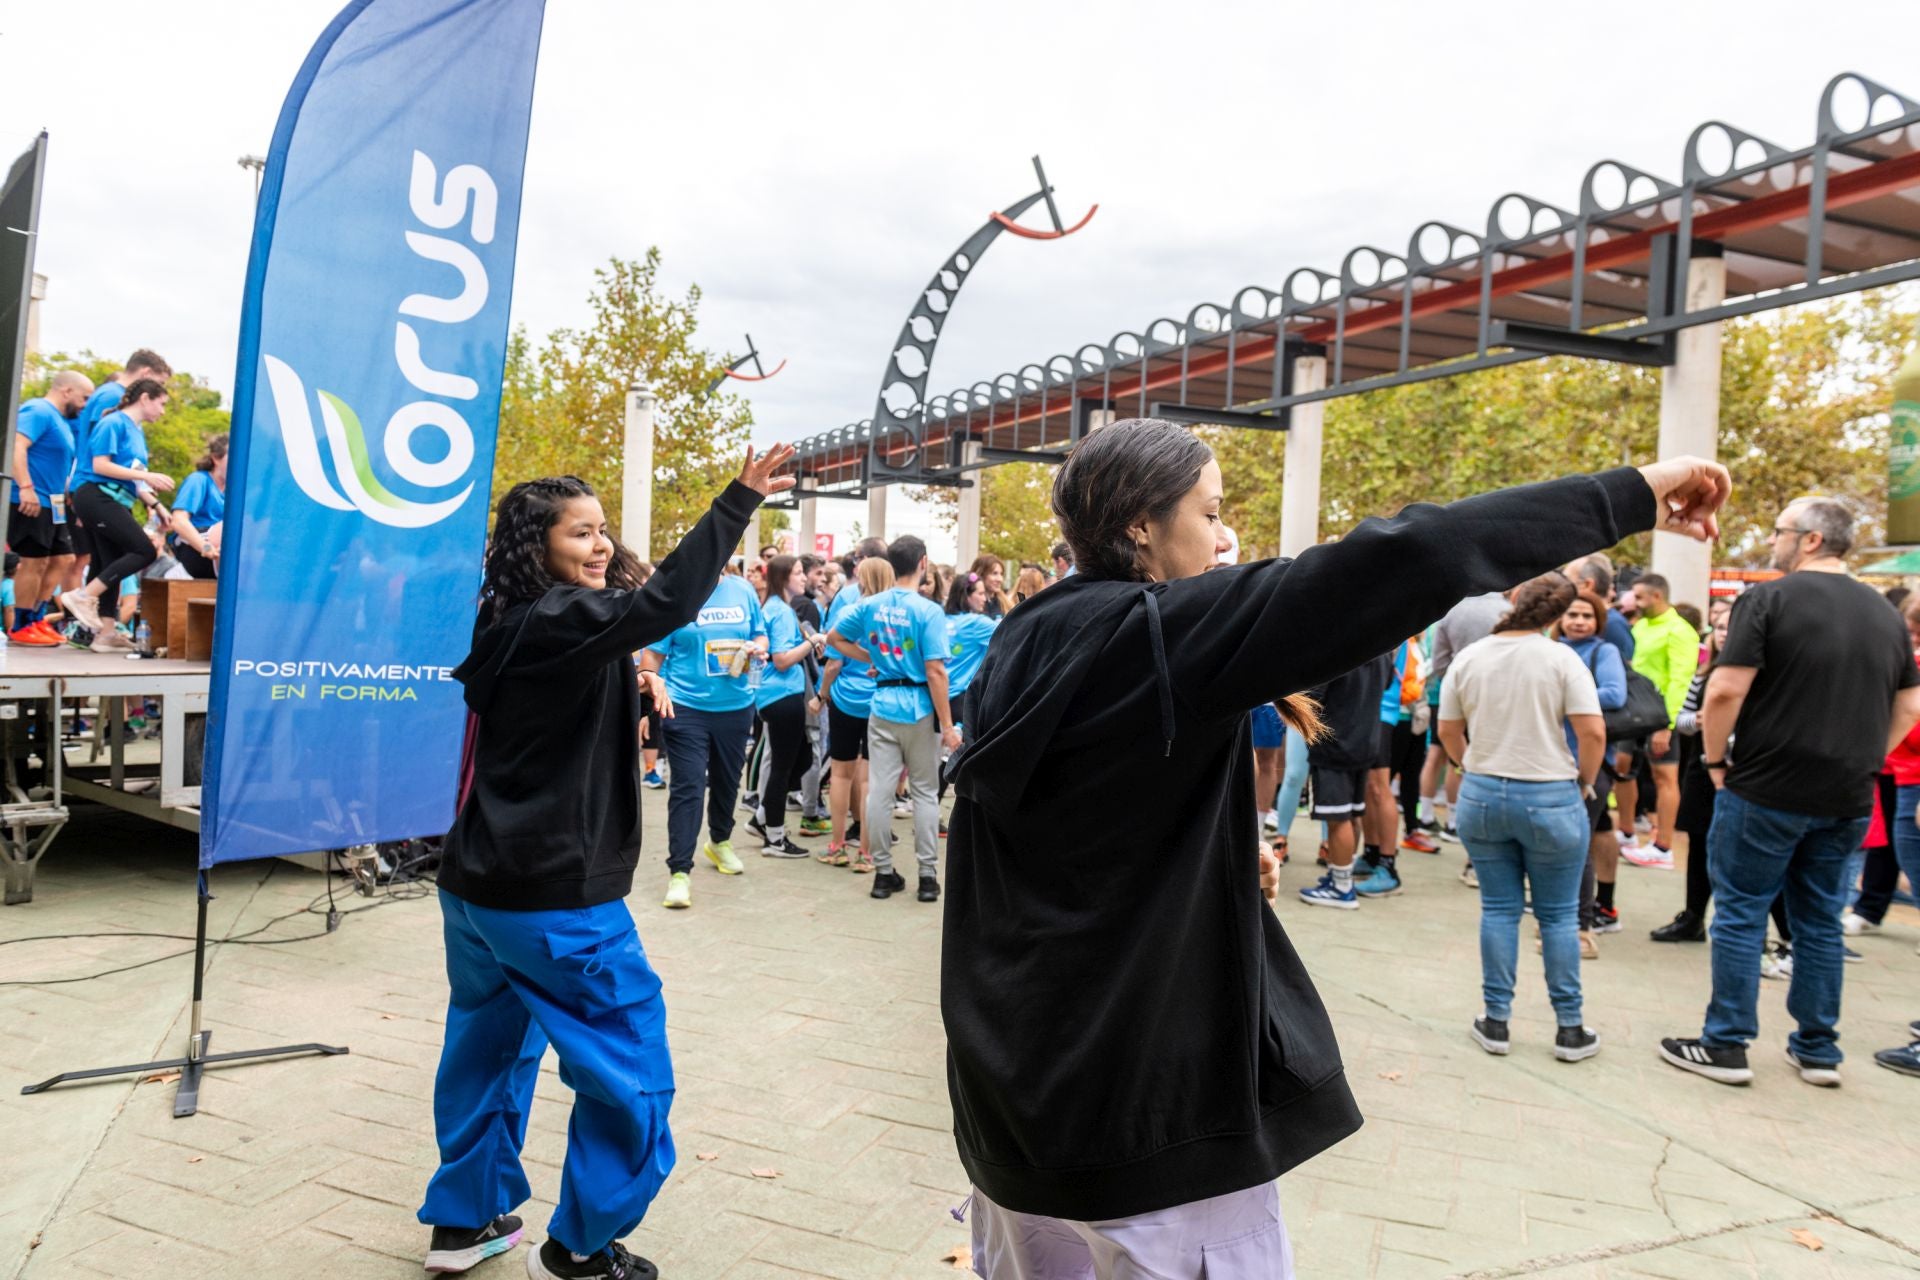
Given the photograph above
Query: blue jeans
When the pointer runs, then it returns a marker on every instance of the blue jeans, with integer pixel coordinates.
(1519, 833)
(705, 752)
(578, 979)
(1294, 781)
(1754, 854)
(1906, 836)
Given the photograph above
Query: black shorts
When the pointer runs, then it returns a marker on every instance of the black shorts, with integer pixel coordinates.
(1383, 750)
(1338, 794)
(1672, 755)
(81, 539)
(37, 537)
(1597, 811)
(846, 735)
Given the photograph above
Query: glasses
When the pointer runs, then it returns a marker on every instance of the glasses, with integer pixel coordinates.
(1796, 530)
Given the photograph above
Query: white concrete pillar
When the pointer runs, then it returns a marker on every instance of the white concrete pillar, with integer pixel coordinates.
(809, 515)
(751, 541)
(636, 472)
(36, 294)
(1690, 424)
(1300, 480)
(967, 528)
(877, 511)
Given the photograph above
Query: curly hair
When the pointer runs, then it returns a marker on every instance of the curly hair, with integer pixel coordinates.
(516, 568)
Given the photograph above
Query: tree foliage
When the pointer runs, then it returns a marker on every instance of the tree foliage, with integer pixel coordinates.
(563, 406)
(178, 438)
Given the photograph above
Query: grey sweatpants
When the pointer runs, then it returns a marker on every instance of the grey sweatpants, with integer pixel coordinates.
(890, 746)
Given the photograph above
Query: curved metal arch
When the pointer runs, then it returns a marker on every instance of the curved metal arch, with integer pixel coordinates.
(1496, 237)
(1420, 261)
(1633, 202)
(1694, 168)
(928, 317)
(1269, 307)
(1382, 277)
(1294, 303)
(1828, 127)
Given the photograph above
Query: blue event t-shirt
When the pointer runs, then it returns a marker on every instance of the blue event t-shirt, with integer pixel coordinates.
(783, 633)
(99, 405)
(49, 439)
(119, 439)
(852, 690)
(968, 634)
(902, 630)
(699, 655)
(202, 500)
(1390, 708)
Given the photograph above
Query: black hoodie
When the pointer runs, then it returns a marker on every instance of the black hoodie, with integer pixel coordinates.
(1128, 1027)
(553, 819)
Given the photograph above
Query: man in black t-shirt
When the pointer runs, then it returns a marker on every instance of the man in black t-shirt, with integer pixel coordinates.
(1815, 686)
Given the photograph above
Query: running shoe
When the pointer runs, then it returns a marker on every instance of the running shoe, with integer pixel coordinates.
(1651, 856)
(33, 635)
(1626, 841)
(1419, 842)
(853, 832)
(1450, 833)
(758, 827)
(902, 807)
(1492, 1035)
(1848, 954)
(654, 781)
(1605, 919)
(815, 827)
(929, 889)
(1906, 1061)
(943, 830)
(1383, 883)
(1725, 1066)
(679, 891)
(835, 855)
(784, 848)
(82, 608)
(1325, 895)
(111, 642)
(1824, 1074)
(1853, 924)
(463, 1248)
(1270, 822)
(887, 883)
(720, 854)
(551, 1261)
(1469, 877)
(1575, 1044)
(1777, 963)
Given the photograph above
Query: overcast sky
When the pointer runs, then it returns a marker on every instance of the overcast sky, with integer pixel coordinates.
(811, 165)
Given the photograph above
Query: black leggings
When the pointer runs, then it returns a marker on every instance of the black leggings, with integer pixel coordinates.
(193, 562)
(1408, 754)
(121, 548)
(788, 755)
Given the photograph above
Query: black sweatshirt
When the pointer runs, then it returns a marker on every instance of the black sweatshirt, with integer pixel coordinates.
(554, 816)
(1128, 1027)
(1350, 708)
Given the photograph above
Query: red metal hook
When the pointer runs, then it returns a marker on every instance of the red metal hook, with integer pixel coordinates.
(1031, 234)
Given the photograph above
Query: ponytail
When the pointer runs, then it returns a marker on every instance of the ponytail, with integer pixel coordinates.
(216, 449)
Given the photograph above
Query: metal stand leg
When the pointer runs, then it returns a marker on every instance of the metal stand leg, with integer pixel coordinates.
(186, 1099)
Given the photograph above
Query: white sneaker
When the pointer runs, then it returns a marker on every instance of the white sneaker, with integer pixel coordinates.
(82, 608)
(1777, 963)
(903, 808)
(1853, 925)
(1270, 822)
(1650, 856)
(679, 891)
(1468, 877)
(1816, 1073)
(1625, 841)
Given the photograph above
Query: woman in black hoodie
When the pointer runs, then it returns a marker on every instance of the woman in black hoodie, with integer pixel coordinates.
(1131, 1036)
(540, 946)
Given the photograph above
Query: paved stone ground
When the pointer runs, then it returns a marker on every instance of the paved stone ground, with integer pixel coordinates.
(808, 1045)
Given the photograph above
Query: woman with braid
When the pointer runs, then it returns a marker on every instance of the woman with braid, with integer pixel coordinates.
(540, 946)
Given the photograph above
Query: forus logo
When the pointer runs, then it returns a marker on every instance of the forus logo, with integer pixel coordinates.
(468, 196)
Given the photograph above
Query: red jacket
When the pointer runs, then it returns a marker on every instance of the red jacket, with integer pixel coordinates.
(1904, 763)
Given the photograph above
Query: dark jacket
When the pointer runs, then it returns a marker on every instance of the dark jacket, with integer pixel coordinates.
(553, 819)
(1128, 1027)
(1350, 708)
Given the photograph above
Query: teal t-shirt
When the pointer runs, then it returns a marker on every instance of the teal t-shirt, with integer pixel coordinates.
(701, 657)
(968, 634)
(902, 630)
(99, 405)
(783, 633)
(49, 438)
(119, 439)
(852, 690)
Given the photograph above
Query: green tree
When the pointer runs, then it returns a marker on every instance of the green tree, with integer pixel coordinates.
(1016, 511)
(563, 407)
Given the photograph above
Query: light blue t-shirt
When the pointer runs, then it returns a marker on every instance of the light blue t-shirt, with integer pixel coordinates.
(852, 690)
(49, 438)
(202, 500)
(902, 630)
(6, 593)
(119, 439)
(1390, 708)
(698, 655)
(99, 405)
(783, 633)
(968, 634)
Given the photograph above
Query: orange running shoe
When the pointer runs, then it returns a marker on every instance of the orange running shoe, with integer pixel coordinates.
(1419, 843)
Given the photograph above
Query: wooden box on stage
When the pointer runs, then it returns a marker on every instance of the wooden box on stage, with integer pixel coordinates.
(163, 602)
(199, 630)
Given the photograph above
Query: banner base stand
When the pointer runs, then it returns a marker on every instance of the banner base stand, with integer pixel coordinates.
(192, 1068)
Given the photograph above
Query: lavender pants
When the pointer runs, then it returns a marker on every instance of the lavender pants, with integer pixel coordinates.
(1238, 1236)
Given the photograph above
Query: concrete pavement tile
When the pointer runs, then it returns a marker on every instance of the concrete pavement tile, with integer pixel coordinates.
(819, 1255)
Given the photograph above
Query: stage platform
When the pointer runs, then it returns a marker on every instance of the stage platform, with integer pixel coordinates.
(34, 684)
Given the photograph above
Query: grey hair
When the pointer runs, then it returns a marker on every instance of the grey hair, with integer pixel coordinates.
(1828, 518)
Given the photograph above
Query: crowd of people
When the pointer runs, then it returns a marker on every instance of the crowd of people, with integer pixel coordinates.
(85, 515)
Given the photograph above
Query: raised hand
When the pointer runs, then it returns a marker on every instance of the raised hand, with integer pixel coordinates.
(1689, 493)
(757, 473)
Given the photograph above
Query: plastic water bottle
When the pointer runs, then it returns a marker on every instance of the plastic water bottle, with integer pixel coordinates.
(756, 669)
(143, 639)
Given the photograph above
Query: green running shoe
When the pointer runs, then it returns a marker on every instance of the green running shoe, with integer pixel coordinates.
(720, 854)
(679, 891)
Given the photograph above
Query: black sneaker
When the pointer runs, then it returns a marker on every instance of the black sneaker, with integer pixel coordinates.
(552, 1261)
(758, 828)
(888, 883)
(1850, 955)
(853, 832)
(929, 889)
(1685, 927)
(784, 847)
(1491, 1034)
(1571, 1044)
(1605, 919)
(463, 1248)
(1727, 1066)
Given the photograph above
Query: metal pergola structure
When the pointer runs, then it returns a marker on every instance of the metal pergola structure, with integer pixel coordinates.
(1605, 279)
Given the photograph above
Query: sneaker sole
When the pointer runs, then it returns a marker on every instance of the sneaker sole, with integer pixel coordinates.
(1899, 1068)
(1565, 1054)
(788, 856)
(1336, 903)
(1814, 1074)
(1378, 893)
(722, 867)
(1719, 1075)
(451, 1260)
(1498, 1048)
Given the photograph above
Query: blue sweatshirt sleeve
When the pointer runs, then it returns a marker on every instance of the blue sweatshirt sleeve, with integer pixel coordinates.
(1610, 675)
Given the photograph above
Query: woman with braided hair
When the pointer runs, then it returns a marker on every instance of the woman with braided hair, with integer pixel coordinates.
(540, 946)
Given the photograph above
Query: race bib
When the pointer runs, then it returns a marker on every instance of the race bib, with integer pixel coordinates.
(57, 503)
(727, 659)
